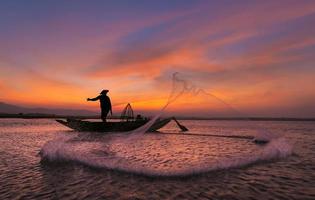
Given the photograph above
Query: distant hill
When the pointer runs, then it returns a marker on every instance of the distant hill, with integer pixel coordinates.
(13, 109)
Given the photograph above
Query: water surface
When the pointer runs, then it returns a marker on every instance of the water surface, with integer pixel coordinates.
(157, 166)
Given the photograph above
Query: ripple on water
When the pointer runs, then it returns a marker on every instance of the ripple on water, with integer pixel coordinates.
(22, 175)
(163, 154)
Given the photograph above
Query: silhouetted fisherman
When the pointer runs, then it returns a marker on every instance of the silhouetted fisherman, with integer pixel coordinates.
(105, 103)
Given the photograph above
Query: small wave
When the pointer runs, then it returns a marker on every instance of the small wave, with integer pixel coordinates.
(118, 154)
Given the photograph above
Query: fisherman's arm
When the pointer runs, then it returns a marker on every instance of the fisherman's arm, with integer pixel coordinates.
(93, 99)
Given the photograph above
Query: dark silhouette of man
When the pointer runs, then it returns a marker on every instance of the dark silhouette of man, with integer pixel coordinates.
(105, 103)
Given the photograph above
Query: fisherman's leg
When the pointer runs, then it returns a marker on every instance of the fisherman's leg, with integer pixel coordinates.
(104, 115)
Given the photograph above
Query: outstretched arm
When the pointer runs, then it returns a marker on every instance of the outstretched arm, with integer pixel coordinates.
(93, 99)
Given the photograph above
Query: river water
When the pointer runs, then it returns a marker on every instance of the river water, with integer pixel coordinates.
(41, 159)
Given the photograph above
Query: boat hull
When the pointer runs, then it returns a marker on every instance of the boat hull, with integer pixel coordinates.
(80, 125)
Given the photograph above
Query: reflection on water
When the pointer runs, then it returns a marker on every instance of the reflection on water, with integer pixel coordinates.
(22, 175)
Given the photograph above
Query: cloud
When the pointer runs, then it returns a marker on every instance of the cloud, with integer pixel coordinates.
(242, 51)
(187, 41)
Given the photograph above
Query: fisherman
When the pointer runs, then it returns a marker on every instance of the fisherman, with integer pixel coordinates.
(105, 103)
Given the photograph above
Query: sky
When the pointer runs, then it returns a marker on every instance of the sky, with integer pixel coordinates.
(256, 56)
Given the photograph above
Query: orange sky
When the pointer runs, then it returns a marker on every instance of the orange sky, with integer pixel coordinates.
(257, 56)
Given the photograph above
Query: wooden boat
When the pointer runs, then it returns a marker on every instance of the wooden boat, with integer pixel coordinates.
(128, 123)
(122, 126)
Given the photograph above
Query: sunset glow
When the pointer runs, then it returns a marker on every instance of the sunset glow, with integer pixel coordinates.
(256, 55)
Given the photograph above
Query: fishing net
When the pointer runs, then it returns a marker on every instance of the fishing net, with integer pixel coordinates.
(127, 113)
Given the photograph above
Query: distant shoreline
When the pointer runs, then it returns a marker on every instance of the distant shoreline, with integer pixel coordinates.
(49, 116)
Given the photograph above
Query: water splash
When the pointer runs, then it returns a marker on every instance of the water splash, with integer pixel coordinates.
(158, 156)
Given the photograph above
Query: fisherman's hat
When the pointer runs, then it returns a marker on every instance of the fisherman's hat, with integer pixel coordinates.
(104, 91)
